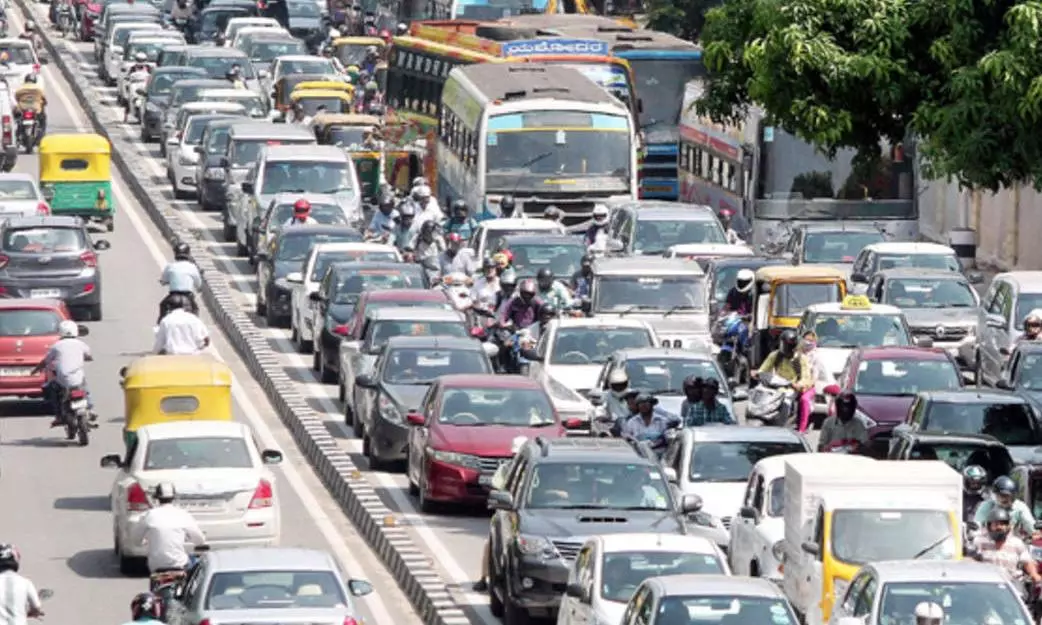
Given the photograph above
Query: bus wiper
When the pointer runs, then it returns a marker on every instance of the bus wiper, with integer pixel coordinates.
(679, 307)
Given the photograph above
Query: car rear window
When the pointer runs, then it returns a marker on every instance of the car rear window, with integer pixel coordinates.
(197, 453)
(1011, 424)
(268, 590)
(28, 322)
(44, 240)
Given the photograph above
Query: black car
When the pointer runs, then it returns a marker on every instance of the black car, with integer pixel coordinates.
(305, 23)
(157, 97)
(560, 492)
(209, 175)
(211, 21)
(284, 255)
(403, 373)
(721, 273)
(335, 302)
(52, 257)
(560, 253)
(958, 450)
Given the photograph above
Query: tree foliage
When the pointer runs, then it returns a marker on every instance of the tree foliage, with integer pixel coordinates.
(683, 18)
(965, 76)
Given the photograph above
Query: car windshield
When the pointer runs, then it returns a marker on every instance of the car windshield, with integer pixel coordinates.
(188, 93)
(717, 609)
(380, 332)
(246, 152)
(151, 50)
(1026, 302)
(325, 214)
(665, 376)
(656, 236)
(12, 189)
(350, 285)
(163, 83)
(372, 306)
(562, 259)
(307, 66)
(27, 322)
(855, 535)
(298, 246)
(44, 240)
(475, 407)
(733, 461)
(1029, 372)
(325, 259)
(792, 298)
(944, 262)
(218, 66)
(837, 247)
(303, 9)
(423, 366)
(18, 54)
(266, 51)
(623, 571)
(496, 238)
(776, 497)
(594, 485)
(216, 21)
(905, 376)
(274, 590)
(965, 603)
(593, 345)
(196, 128)
(1011, 423)
(927, 293)
(211, 452)
(848, 331)
(324, 177)
(616, 294)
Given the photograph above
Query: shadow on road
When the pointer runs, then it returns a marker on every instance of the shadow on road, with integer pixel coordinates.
(95, 503)
(94, 564)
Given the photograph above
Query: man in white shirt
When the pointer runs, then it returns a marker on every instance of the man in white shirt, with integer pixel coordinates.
(165, 529)
(427, 205)
(181, 333)
(18, 598)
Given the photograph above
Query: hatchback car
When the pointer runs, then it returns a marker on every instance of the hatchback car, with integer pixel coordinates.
(157, 98)
(209, 173)
(20, 196)
(174, 128)
(713, 598)
(183, 157)
(28, 328)
(52, 258)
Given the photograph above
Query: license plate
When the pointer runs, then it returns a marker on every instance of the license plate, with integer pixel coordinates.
(45, 293)
(198, 505)
(485, 480)
(15, 372)
(79, 404)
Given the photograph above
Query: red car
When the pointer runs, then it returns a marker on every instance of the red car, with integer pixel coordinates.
(28, 328)
(466, 427)
(885, 381)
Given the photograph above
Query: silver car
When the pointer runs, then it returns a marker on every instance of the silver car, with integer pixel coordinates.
(20, 196)
(720, 598)
(183, 156)
(283, 585)
(1000, 321)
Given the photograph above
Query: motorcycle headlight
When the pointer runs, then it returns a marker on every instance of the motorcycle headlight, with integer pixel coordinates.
(535, 546)
(389, 411)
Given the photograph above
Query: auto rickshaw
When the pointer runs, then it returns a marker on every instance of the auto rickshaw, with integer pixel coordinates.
(780, 295)
(75, 177)
(325, 85)
(351, 50)
(285, 86)
(163, 389)
(311, 99)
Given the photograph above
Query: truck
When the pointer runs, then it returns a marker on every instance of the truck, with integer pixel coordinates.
(842, 512)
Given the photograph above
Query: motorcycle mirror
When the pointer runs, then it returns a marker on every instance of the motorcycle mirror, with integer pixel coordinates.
(83, 330)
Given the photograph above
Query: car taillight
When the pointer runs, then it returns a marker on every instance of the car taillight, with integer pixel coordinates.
(137, 499)
(42, 209)
(4, 260)
(340, 330)
(89, 258)
(205, 621)
(7, 129)
(263, 496)
(36, 68)
(27, 115)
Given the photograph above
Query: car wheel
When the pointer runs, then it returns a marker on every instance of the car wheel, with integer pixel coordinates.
(306, 347)
(341, 393)
(514, 614)
(495, 604)
(349, 417)
(316, 361)
(426, 505)
(294, 336)
(94, 313)
(270, 317)
(375, 464)
(227, 230)
(262, 308)
(179, 194)
(240, 249)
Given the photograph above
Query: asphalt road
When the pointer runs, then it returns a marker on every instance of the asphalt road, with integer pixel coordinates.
(55, 496)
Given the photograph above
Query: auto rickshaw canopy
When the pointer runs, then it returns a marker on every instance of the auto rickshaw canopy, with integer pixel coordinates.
(75, 158)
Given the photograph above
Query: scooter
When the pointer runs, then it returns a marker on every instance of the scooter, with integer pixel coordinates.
(136, 86)
(731, 333)
(773, 401)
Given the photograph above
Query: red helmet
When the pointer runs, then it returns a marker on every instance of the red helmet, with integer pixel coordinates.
(454, 238)
(302, 206)
(727, 212)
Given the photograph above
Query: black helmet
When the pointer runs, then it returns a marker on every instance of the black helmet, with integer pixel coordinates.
(233, 73)
(1004, 485)
(10, 559)
(788, 342)
(182, 251)
(387, 200)
(459, 205)
(545, 278)
(506, 205)
(646, 397)
(488, 263)
(974, 477)
(692, 381)
(552, 212)
(145, 604)
(547, 310)
(587, 259)
(846, 403)
(428, 227)
(508, 279)
(999, 514)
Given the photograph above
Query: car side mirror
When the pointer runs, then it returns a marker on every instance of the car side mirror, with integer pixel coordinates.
(615, 246)
(924, 341)
(45, 594)
(111, 461)
(359, 587)
(995, 321)
(315, 296)
(295, 278)
(500, 500)
(532, 355)
(365, 381)
(811, 547)
(577, 591)
(747, 512)
(414, 418)
(82, 330)
(975, 277)
(247, 188)
(223, 162)
(102, 245)
(271, 456)
(122, 372)
(200, 150)
(858, 277)
(690, 503)
(1004, 384)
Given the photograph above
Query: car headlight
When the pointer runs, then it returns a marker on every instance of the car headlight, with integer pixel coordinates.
(389, 411)
(869, 421)
(559, 392)
(535, 546)
(187, 160)
(452, 457)
(778, 551)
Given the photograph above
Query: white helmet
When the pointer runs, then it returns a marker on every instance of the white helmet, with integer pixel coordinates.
(929, 613)
(334, 32)
(744, 280)
(419, 181)
(618, 377)
(600, 214)
(68, 329)
(423, 192)
(140, 57)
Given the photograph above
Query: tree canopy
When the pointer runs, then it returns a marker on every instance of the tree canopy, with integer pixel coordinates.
(963, 76)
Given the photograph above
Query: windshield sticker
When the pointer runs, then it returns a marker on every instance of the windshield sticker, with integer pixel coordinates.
(768, 134)
(493, 139)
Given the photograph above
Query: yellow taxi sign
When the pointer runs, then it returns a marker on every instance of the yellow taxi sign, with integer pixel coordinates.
(856, 302)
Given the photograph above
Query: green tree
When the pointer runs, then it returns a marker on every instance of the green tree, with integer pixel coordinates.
(683, 18)
(964, 76)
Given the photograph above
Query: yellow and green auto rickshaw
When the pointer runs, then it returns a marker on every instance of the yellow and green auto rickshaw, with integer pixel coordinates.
(76, 178)
(284, 87)
(780, 296)
(161, 389)
(310, 100)
(351, 50)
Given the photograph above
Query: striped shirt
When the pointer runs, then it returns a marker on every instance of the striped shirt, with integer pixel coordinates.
(17, 596)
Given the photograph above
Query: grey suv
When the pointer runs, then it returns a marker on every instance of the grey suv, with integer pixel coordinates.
(559, 493)
(1000, 323)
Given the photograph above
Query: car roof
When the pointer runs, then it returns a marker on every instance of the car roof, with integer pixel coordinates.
(643, 265)
(649, 353)
(300, 231)
(230, 92)
(196, 51)
(329, 153)
(435, 342)
(842, 226)
(643, 205)
(896, 352)
(715, 585)
(1026, 281)
(490, 380)
(652, 542)
(188, 107)
(398, 313)
(599, 322)
(683, 212)
(742, 433)
(186, 429)
(837, 307)
(906, 247)
(973, 396)
(923, 274)
(406, 295)
(933, 570)
(340, 246)
(1029, 347)
(745, 262)
(178, 69)
(543, 239)
(49, 221)
(222, 120)
(568, 450)
(357, 265)
(314, 198)
(17, 175)
(201, 82)
(302, 57)
(270, 559)
(23, 303)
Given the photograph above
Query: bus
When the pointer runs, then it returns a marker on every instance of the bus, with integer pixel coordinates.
(662, 65)
(592, 57)
(416, 73)
(778, 181)
(623, 11)
(541, 133)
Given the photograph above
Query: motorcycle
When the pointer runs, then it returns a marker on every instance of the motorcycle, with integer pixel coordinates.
(167, 584)
(75, 415)
(28, 131)
(731, 333)
(165, 304)
(66, 21)
(457, 289)
(772, 401)
(137, 83)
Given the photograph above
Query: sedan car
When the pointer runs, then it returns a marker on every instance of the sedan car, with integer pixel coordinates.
(183, 156)
(265, 47)
(301, 64)
(283, 256)
(20, 196)
(465, 428)
(255, 104)
(218, 473)
(557, 252)
(217, 61)
(28, 328)
(182, 92)
(279, 585)
(832, 245)
(259, 229)
(157, 98)
(403, 372)
(52, 258)
(675, 598)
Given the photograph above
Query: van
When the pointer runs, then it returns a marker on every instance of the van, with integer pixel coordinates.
(1000, 323)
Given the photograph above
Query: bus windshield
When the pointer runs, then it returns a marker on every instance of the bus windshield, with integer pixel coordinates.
(660, 87)
(794, 172)
(491, 10)
(559, 150)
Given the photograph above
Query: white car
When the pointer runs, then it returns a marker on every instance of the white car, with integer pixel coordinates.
(234, 25)
(121, 33)
(21, 61)
(487, 238)
(218, 473)
(708, 251)
(240, 35)
(255, 104)
(894, 255)
(305, 282)
(303, 64)
(182, 157)
(149, 42)
(593, 598)
(20, 196)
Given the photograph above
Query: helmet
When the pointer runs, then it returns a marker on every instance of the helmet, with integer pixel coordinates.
(929, 612)
(488, 263)
(552, 212)
(502, 260)
(645, 397)
(428, 227)
(974, 477)
(1004, 485)
(422, 192)
(618, 376)
(508, 279)
(10, 559)
(30, 25)
(507, 205)
(587, 260)
(788, 341)
(301, 206)
(407, 210)
(145, 604)
(459, 205)
(999, 514)
(334, 33)
(527, 287)
(454, 237)
(547, 310)
(68, 329)
(1033, 318)
(352, 70)
(544, 278)
(164, 492)
(182, 251)
(744, 280)
(140, 57)
(30, 78)
(401, 28)
(600, 213)
(692, 381)
(371, 50)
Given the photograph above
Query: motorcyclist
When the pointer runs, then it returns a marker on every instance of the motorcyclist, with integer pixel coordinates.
(145, 608)
(507, 290)
(996, 545)
(182, 13)
(404, 233)
(234, 76)
(427, 207)
(843, 429)
(383, 222)
(30, 96)
(789, 363)
(460, 221)
(740, 296)
(20, 599)
(552, 291)
(547, 313)
(709, 409)
(66, 360)
(370, 102)
(181, 276)
(554, 214)
(974, 479)
(140, 64)
(522, 309)
(372, 58)
(165, 529)
(1004, 496)
(456, 258)
(507, 206)
(928, 613)
(730, 233)
(596, 237)
(1032, 326)
(180, 331)
(429, 242)
(301, 214)
(820, 374)
(648, 424)
(486, 286)
(582, 279)
(137, 74)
